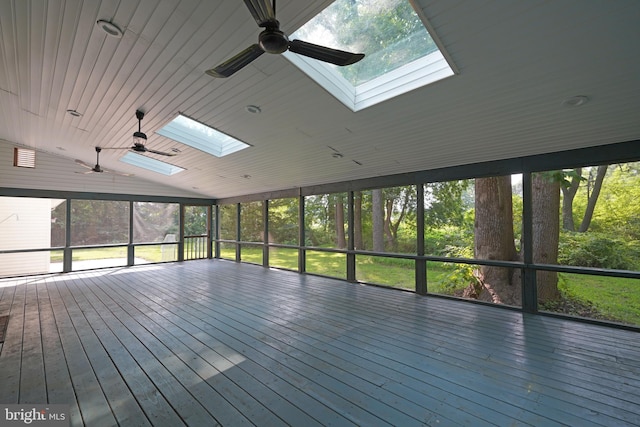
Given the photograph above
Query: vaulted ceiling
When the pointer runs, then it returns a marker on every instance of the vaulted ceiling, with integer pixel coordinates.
(516, 61)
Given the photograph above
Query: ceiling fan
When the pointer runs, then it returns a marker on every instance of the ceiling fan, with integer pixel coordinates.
(139, 140)
(272, 40)
(97, 168)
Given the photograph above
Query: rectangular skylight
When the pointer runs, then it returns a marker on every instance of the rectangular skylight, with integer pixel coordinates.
(150, 164)
(400, 54)
(200, 136)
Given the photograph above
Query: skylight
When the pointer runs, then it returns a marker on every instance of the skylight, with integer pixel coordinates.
(400, 54)
(150, 164)
(200, 136)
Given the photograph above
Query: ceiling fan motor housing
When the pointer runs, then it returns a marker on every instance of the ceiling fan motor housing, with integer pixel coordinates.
(272, 40)
(140, 136)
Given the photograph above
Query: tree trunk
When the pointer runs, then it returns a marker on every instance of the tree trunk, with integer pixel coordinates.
(568, 195)
(358, 242)
(388, 235)
(341, 240)
(494, 240)
(593, 198)
(377, 215)
(546, 232)
(403, 211)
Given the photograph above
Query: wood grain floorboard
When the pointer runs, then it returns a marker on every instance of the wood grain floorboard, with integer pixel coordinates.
(221, 343)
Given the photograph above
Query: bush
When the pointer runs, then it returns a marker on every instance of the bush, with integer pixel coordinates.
(440, 241)
(597, 250)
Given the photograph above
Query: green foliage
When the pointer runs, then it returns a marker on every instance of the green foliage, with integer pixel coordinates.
(444, 203)
(389, 33)
(447, 240)
(283, 221)
(563, 176)
(195, 220)
(618, 209)
(598, 250)
(251, 224)
(99, 222)
(320, 219)
(460, 274)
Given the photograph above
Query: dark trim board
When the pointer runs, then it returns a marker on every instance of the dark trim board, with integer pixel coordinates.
(216, 342)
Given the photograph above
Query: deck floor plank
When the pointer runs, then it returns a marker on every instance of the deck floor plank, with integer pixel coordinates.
(57, 376)
(187, 366)
(223, 358)
(136, 340)
(93, 404)
(217, 342)
(11, 356)
(352, 336)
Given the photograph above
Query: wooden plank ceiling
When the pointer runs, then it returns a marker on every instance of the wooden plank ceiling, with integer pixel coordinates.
(517, 62)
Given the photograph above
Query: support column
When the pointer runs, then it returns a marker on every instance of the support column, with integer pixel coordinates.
(529, 282)
(181, 237)
(216, 231)
(238, 234)
(130, 247)
(67, 252)
(421, 264)
(351, 257)
(265, 233)
(302, 253)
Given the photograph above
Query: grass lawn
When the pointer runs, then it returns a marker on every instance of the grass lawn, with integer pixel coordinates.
(615, 298)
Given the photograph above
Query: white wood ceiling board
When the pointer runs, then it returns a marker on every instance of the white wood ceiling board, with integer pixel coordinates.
(56, 173)
(518, 61)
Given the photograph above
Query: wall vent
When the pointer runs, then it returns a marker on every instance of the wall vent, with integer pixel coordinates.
(24, 158)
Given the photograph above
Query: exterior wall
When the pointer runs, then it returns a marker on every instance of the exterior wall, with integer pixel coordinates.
(25, 223)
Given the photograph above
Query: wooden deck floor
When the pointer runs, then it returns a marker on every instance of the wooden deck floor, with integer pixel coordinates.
(214, 342)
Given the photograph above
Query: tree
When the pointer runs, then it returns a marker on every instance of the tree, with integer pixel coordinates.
(444, 203)
(494, 238)
(570, 189)
(595, 185)
(378, 220)
(385, 24)
(341, 240)
(546, 231)
(358, 241)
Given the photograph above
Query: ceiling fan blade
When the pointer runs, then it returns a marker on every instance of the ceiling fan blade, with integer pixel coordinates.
(116, 173)
(326, 54)
(241, 60)
(162, 153)
(261, 10)
(83, 164)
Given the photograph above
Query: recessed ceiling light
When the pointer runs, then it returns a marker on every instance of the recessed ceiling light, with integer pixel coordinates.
(337, 155)
(253, 109)
(74, 113)
(246, 176)
(110, 28)
(575, 101)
